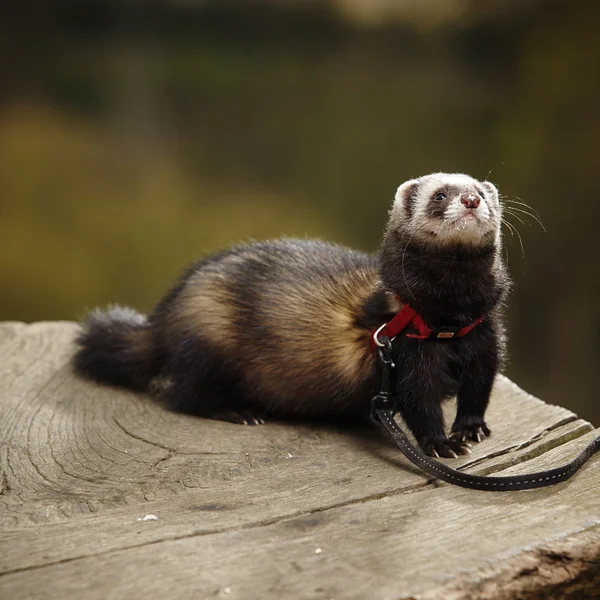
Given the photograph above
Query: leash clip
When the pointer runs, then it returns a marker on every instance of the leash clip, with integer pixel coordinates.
(385, 340)
(384, 351)
(382, 400)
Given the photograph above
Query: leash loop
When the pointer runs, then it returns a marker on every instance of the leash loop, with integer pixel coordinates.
(383, 409)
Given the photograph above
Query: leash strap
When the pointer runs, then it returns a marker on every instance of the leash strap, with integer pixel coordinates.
(477, 482)
(382, 411)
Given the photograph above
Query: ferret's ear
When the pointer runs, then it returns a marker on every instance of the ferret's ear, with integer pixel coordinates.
(405, 197)
(490, 190)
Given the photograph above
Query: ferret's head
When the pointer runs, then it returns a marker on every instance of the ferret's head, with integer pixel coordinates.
(444, 209)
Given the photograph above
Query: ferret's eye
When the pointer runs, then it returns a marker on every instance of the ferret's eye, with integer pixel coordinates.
(440, 196)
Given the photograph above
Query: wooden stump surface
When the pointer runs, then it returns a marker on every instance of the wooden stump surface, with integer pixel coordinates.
(104, 494)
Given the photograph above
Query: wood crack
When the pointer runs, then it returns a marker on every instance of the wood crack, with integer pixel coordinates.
(512, 459)
(163, 459)
(73, 475)
(39, 471)
(140, 438)
(4, 485)
(257, 524)
(509, 452)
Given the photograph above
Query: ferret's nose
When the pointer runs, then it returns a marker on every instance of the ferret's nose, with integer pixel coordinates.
(470, 200)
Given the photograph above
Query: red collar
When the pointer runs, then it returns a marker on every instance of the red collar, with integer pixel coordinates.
(409, 316)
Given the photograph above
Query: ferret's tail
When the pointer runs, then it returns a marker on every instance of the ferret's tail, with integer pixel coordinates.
(117, 347)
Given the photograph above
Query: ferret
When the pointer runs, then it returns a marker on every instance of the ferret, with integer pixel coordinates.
(284, 328)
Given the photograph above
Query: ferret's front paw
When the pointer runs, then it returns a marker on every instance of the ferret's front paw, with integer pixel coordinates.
(470, 432)
(446, 448)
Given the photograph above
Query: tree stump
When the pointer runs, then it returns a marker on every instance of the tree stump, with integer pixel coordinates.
(104, 494)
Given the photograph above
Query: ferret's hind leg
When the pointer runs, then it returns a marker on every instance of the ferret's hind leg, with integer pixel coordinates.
(242, 416)
(201, 384)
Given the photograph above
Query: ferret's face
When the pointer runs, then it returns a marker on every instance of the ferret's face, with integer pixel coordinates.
(447, 209)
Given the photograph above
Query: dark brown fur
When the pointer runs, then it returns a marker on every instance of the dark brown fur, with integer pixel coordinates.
(283, 328)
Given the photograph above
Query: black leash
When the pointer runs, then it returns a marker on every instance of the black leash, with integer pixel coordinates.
(383, 411)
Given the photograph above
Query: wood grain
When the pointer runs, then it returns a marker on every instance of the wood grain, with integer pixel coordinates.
(246, 507)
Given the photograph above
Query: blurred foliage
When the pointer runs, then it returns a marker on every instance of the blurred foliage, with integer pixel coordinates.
(91, 222)
(134, 142)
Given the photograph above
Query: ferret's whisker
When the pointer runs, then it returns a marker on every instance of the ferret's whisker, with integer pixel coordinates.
(513, 230)
(535, 217)
(449, 268)
(519, 201)
(492, 169)
(510, 228)
(519, 236)
(520, 242)
(511, 201)
(515, 216)
(403, 270)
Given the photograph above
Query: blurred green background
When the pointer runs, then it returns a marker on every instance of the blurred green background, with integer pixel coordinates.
(137, 137)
